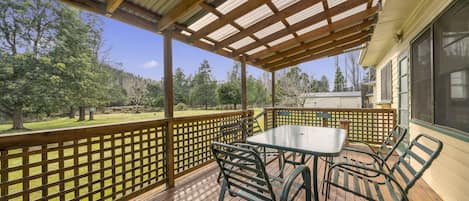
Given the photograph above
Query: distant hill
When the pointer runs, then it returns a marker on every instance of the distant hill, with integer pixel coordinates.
(127, 81)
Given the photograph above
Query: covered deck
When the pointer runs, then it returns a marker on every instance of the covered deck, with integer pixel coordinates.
(170, 158)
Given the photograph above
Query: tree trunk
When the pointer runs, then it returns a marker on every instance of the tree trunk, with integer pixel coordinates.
(72, 112)
(234, 106)
(91, 115)
(206, 106)
(81, 113)
(18, 119)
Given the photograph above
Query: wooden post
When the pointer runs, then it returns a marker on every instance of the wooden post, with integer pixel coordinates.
(274, 113)
(345, 124)
(244, 102)
(168, 107)
(273, 89)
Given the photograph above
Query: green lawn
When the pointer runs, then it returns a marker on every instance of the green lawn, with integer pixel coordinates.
(108, 118)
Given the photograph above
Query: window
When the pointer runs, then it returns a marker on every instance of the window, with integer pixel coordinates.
(386, 83)
(440, 70)
(422, 101)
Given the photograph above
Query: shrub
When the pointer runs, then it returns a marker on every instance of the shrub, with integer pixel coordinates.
(180, 107)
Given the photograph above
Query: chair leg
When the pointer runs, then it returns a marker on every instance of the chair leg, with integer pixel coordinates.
(219, 177)
(326, 165)
(328, 186)
(221, 196)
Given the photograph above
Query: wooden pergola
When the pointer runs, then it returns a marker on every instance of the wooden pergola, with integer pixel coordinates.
(268, 34)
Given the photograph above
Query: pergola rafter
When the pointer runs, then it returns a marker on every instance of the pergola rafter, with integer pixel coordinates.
(305, 46)
(279, 38)
(304, 23)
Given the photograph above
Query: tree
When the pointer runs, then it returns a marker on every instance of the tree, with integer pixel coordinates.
(291, 86)
(229, 93)
(76, 49)
(324, 84)
(181, 87)
(256, 92)
(351, 60)
(203, 90)
(27, 74)
(339, 81)
(154, 95)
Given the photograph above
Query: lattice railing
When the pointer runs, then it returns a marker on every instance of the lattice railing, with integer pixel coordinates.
(193, 137)
(108, 162)
(90, 163)
(368, 125)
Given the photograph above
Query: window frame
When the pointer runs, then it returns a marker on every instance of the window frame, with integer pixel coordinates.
(454, 132)
(387, 84)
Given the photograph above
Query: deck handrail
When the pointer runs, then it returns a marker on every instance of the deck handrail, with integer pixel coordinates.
(365, 124)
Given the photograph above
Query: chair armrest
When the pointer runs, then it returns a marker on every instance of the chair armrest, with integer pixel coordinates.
(375, 157)
(286, 187)
(365, 143)
(353, 168)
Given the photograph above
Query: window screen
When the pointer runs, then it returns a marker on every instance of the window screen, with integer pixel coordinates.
(386, 83)
(451, 46)
(422, 97)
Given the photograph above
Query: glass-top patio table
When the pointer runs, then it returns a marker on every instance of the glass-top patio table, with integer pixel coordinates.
(317, 141)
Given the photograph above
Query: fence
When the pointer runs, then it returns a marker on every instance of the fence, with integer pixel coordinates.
(368, 125)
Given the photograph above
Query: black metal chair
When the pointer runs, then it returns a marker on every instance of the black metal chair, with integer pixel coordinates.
(251, 127)
(253, 182)
(374, 184)
(378, 158)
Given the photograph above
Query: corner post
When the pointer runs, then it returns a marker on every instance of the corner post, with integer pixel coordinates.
(274, 112)
(345, 124)
(243, 83)
(168, 107)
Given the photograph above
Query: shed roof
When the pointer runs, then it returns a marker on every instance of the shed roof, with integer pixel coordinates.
(332, 94)
(270, 34)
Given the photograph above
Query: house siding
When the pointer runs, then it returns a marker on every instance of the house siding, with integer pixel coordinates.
(448, 174)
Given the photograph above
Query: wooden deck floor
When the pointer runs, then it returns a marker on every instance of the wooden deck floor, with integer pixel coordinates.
(202, 186)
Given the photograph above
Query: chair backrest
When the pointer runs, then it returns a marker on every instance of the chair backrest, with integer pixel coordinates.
(231, 132)
(251, 126)
(391, 142)
(423, 150)
(243, 171)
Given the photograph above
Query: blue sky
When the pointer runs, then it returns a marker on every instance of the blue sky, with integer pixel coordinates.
(141, 53)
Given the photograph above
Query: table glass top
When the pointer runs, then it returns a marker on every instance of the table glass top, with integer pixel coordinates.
(304, 139)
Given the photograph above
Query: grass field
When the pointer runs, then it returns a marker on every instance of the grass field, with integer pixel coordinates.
(107, 118)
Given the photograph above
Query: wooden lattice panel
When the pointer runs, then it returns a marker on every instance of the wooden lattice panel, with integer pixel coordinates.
(193, 137)
(94, 163)
(368, 125)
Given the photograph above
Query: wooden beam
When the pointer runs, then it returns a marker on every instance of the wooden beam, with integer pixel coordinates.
(244, 102)
(297, 7)
(328, 53)
(302, 24)
(321, 48)
(178, 11)
(227, 18)
(112, 5)
(320, 41)
(340, 24)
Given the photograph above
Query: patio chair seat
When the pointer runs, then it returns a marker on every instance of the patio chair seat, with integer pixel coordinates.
(388, 184)
(365, 187)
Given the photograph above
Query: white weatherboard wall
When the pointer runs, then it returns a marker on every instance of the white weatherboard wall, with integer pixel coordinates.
(333, 102)
(449, 174)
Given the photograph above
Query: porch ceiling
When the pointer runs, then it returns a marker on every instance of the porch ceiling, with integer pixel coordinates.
(270, 34)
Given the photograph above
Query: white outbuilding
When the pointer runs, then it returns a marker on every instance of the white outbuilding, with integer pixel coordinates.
(349, 99)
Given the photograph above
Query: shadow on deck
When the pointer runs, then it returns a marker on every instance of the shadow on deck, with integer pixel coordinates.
(202, 185)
